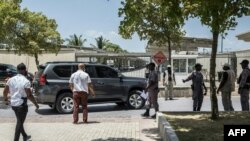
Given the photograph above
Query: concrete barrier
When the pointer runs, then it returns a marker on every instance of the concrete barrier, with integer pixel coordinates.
(165, 130)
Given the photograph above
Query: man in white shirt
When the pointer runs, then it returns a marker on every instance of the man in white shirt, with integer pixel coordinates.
(19, 90)
(80, 84)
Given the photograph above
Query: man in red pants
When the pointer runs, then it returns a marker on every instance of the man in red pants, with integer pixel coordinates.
(80, 84)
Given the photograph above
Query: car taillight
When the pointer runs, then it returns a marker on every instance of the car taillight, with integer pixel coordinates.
(42, 79)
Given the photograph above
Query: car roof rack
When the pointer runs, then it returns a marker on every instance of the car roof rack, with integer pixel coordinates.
(56, 62)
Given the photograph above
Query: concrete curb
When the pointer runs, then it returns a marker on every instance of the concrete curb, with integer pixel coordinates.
(166, 131)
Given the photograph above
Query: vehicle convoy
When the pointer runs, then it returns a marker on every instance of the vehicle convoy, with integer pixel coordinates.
(51, 86)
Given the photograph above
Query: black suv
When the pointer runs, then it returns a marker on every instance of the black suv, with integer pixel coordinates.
(51, 86)
(6, 70)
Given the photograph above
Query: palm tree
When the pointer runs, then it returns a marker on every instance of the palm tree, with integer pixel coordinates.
(75, 40)
(100, 42)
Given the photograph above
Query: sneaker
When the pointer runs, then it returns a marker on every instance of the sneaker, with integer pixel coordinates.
(74, 122)
(153, 116)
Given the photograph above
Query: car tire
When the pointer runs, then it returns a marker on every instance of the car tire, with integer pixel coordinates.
(135, 101)
(64, 103)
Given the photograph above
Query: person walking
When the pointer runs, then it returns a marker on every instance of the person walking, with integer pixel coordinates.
(197, 87)
(169, 83)
(18, 88)
(81, 86)
(244, 85)
(227, 85)
(153, 90)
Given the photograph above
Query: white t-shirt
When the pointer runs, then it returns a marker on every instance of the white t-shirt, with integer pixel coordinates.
(80, 80)
(17, 85)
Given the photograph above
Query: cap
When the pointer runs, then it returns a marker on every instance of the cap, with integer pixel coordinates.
(21, 66)
(245, 62)
(226, 65)
(168, 66)
(197, 64)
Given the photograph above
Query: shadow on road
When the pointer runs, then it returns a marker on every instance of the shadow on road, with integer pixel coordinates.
(91, 109)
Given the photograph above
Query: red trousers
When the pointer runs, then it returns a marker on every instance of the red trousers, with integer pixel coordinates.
(80, 98)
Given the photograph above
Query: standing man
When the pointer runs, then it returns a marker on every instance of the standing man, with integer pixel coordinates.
(169, 83)
(244, 85)
(19, 90)
(227, 85)
(153, 90)
(197, 87)
(81, 86)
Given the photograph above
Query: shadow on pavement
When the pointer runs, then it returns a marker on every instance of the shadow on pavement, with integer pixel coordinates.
(117, 139)
(91, 109)
(152, 133)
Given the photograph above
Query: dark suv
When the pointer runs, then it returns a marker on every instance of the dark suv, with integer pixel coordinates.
(6, 70)
(51, 86)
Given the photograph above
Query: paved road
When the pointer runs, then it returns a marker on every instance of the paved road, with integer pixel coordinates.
(107, 122)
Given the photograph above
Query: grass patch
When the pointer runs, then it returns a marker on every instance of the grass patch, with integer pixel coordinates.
(197, 126)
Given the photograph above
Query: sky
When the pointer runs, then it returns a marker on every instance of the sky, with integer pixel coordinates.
(93, 18)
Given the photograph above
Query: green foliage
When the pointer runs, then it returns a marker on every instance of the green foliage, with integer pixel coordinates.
(155, 20)
(220, 15)
(27, 32)
(75, 40)
(111, 47)
(100, 42)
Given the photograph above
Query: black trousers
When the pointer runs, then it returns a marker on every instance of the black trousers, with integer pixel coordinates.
(21, 113)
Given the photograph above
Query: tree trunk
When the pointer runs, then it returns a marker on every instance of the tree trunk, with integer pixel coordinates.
(214, 101)
(36, 59)
(169, 51)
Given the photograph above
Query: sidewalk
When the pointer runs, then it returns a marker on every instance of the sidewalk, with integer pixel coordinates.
(118, 130)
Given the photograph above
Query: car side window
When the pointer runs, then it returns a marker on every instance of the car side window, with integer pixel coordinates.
(3, 68)
(106, 72)
(63, 71)
(88, 69)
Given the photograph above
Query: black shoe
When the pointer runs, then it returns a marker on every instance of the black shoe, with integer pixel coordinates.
(153, 116)
(26, 138)
(146, 114)
(171, 99)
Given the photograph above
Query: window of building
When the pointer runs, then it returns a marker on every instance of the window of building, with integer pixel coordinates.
(179, 65)
(191, 64)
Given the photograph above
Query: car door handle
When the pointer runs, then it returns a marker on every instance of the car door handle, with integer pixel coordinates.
(100, 83)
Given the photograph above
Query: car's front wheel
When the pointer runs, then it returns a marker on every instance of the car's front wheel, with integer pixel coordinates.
(64, 103)
(135, 101)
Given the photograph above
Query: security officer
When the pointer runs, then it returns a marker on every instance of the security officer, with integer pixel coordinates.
(19, 90)
(226, 87)
(153, 90)
(244, 85)
(198, 83)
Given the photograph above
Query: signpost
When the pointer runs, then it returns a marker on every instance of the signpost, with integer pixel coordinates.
(159, 58)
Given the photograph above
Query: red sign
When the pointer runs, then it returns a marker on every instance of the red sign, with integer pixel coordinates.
(159, 57)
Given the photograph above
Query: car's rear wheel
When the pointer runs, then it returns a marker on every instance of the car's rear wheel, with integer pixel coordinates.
(135, 101)
(64, 103)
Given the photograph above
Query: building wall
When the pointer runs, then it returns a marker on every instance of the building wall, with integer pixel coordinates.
(220, 61)
(14, 59)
